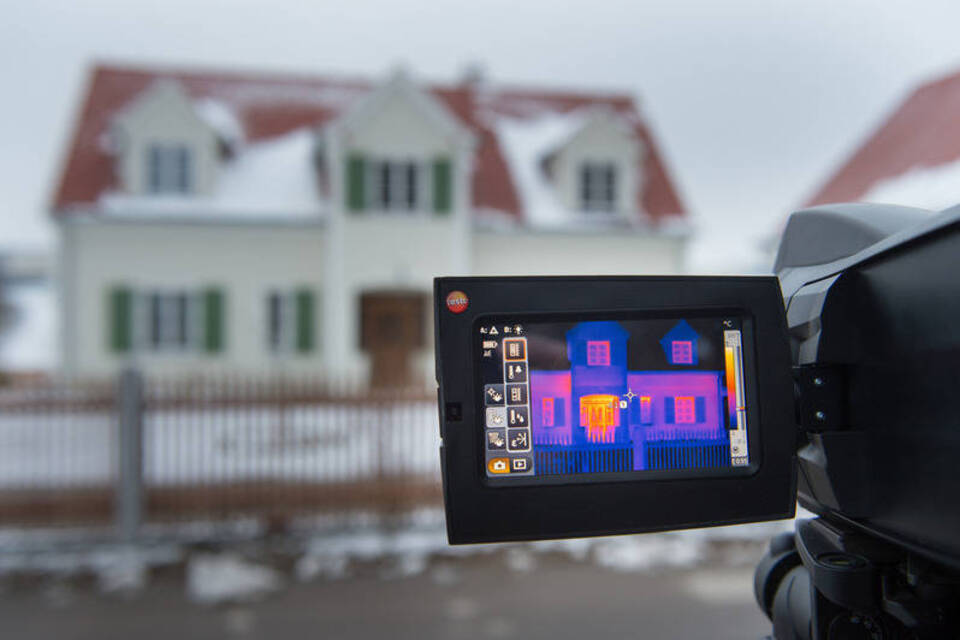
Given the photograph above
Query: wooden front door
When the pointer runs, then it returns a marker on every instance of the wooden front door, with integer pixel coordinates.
(391, 330)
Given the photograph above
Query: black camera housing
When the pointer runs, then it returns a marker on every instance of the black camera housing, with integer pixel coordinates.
(478, 510)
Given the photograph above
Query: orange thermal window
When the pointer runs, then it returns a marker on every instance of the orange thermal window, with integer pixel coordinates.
(684, 410)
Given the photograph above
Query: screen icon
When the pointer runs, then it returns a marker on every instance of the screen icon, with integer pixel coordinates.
(493, 394)
(518, 440)
(498, 465)
(520, 464)
(517, 372)
(518, 417)
(496, 440)
(515, 349)
(496, 417)
(516, 394)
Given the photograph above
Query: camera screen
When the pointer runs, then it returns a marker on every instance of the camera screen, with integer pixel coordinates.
(603, 398)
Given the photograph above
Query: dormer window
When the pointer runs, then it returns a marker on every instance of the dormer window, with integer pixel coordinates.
(169, 169)
(394, 185)
(598, 353)
(598, 186)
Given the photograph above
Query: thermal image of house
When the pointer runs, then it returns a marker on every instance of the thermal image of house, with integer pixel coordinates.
(599, 416)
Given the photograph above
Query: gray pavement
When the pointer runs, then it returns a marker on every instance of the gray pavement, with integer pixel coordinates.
(479, 597)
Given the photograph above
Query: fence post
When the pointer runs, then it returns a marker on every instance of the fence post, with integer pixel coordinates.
(128, 494)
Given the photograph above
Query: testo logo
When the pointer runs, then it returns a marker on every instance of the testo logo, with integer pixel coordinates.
(457, 301)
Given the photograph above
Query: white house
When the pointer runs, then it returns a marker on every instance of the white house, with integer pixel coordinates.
(267, 223)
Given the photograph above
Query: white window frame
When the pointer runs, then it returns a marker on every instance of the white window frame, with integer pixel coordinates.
(169, 168)
(597, 186)
(398, 196)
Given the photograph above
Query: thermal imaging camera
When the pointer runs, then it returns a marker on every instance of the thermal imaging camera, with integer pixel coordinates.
(583, 406)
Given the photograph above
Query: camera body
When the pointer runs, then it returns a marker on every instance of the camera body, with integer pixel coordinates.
(840, 393)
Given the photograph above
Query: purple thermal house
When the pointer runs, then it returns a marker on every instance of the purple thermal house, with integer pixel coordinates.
(601, 417)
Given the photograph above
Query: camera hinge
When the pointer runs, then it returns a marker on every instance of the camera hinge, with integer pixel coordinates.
(821, 397)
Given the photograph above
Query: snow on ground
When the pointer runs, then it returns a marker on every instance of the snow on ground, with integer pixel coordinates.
(29, 344)
(227, 577)
(933, 188)
(273, 179)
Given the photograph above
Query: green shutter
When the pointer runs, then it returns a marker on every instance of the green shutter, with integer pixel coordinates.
(355, 183)
(305, 314)
(442, 187)
(213, 320)
(121, 318)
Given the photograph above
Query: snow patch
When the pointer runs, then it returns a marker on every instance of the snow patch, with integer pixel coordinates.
(29, 343)
(933, 188)
(212, 579)
(221, 119)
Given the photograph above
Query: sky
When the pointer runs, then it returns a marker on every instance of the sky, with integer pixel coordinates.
(753, 103)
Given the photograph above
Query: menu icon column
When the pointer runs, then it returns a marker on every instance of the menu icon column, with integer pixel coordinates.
(517, 391)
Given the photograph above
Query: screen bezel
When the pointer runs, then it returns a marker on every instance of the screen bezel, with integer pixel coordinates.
(479, 512)
(750, 375)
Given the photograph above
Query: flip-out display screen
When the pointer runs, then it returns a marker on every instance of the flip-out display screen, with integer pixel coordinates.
(603, 398)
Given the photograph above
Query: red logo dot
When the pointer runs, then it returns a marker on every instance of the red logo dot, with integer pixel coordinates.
(457, 301)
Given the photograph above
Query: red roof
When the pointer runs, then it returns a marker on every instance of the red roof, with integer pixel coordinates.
(269, 104)
(923, 132)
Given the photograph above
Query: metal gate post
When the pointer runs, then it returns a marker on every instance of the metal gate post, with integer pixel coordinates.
(128, 494)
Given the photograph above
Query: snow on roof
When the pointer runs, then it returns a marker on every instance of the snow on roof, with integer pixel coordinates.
(221, 119)
(28, 344)
(275, 178)
(920, 135)
(933, 188)
(525, 143)
(265, 106)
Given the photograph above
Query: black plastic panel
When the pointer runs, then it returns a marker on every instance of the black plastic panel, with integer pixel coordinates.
(479, 512)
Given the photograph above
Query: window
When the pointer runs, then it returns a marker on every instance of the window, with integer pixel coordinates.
(684, 410)
(681, 352)
(166, 320)
(290, 320)
(598, 353)
(395, 185)
(169, 169)
(170, 320)
(598, 186)
(646, 410)
(547, 412)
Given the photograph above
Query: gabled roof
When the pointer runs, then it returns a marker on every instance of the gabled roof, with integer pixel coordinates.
(270, 105)
(920, 134)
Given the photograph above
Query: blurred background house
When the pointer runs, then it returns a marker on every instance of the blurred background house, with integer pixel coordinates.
(267, 223)
(912, 158)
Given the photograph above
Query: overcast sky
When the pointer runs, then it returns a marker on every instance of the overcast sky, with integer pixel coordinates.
(753, 102)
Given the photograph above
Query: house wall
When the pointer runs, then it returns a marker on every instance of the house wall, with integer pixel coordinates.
(164, 115)
(603, 140)
(522, 252)
(246, 260)
(399, 251)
